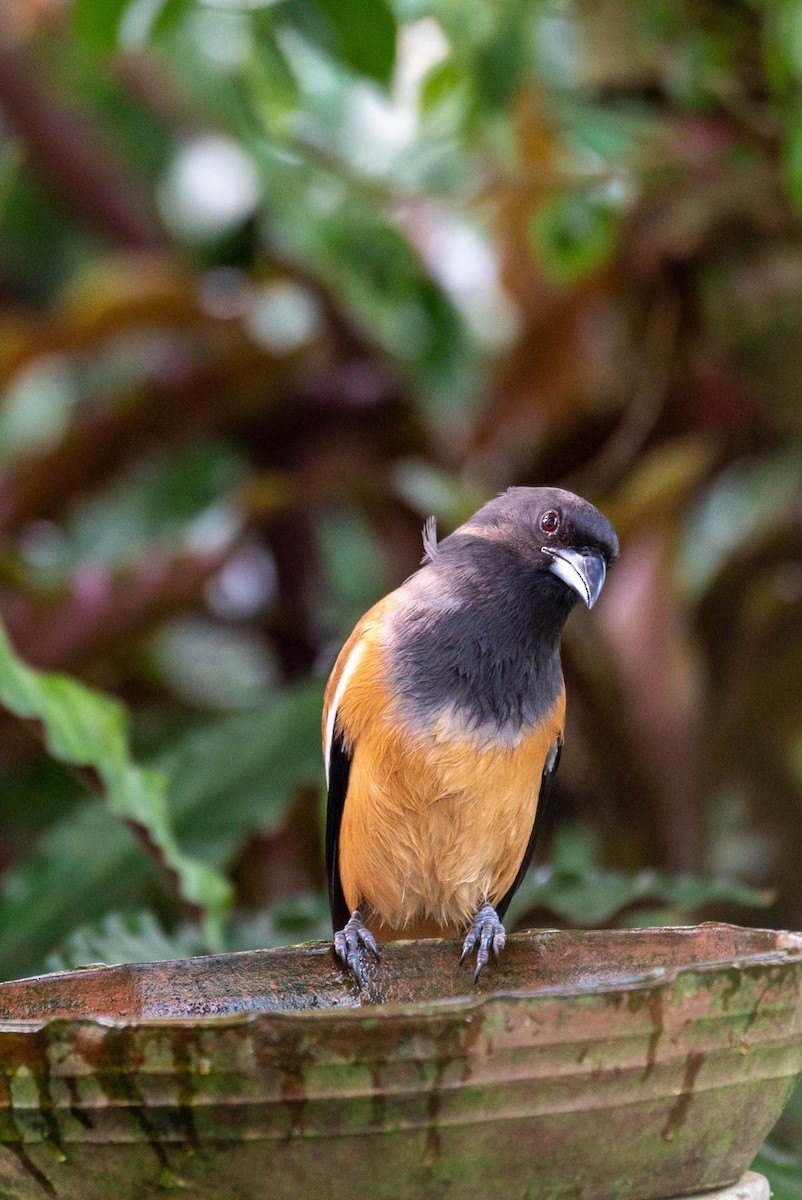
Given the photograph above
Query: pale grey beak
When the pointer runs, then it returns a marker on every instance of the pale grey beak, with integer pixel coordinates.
(584, 571)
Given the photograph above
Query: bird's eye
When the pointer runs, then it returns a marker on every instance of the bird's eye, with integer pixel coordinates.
(550, 521)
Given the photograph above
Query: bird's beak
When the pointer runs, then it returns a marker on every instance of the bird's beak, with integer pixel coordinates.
(584, 571)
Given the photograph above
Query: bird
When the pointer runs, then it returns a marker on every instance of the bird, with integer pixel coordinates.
(443, 722)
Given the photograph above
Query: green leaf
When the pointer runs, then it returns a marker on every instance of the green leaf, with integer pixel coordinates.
(168, 16)
(239, 774)
(88, 731)
(783, 1171)
(155, 504)
(367, 34)
(138, 936)
(501, 61)
(125, 937)
(780, 1158)
(573, 234)
(97, 23)
(289, 920)
(442, 83)
(792, 159)
(609, 135)
(274, 89)
(593, 897)
(360, 34)
(354, 567)
(741, 505)
(782, 44)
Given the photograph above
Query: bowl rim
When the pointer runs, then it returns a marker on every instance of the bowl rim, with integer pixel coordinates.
(787, 952)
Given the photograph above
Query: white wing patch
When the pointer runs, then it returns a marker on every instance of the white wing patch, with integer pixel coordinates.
(430, 540)
(348, 670)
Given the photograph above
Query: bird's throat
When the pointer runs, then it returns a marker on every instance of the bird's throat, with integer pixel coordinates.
(493, 675)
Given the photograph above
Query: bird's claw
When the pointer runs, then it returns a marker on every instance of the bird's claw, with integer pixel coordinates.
(487, 933)
(349, 940)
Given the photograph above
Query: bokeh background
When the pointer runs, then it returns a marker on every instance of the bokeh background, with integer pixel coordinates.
(278, 280)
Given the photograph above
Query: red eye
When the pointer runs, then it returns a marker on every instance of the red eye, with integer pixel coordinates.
(550, 521)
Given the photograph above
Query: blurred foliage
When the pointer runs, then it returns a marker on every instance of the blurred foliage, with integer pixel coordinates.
(277, 280)
(577, 892)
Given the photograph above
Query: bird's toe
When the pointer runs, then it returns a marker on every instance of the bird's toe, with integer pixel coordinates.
(348, 943)
(485, 934)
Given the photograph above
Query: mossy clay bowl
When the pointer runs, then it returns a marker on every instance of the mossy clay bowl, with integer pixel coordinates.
(618, 1064)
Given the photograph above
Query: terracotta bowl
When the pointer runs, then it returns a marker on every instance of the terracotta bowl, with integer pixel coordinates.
(625, 1064)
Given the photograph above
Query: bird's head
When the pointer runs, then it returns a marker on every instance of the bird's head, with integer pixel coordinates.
(557, 539)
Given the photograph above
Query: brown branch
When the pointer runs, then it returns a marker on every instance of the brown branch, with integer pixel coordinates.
(653, 369)
(71, 159)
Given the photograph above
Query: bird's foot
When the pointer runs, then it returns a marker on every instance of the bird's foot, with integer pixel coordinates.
(349, 941)
(486, 934)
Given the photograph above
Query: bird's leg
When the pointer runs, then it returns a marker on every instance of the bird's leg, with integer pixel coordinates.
(349, 940)
(486, 934)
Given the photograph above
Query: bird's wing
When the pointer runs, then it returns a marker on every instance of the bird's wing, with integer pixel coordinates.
(339, 768)
(338, 752)
(549, 769)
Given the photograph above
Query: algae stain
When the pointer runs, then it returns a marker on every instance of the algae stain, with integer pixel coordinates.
(655, 1006)
(182, 1044)
(76, 1111)
(12, 1140)
(471, 1046)
(432, 1147)
(732, 987)
(31, 1169)
(26, 1084)
(115, 1062)
(679, 1113)
(378, 1098)
(651, 999)
(30, 1085)
(168, 1181)
(41, 1079)
(293, 1093)
(761, 1001)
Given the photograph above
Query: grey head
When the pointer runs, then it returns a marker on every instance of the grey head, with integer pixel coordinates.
(479, 628)
(542, 532)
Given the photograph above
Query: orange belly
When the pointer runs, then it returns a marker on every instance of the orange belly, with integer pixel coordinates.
(432, 828)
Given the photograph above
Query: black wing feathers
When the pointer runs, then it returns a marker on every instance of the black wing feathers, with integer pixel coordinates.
(339, 770)
(549, 770)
